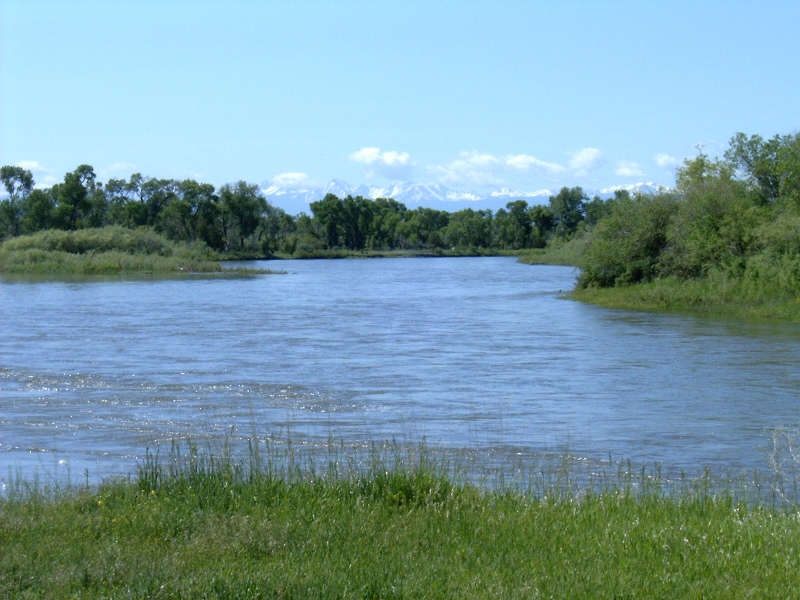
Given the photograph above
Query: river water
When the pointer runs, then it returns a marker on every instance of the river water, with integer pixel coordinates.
(473, 355)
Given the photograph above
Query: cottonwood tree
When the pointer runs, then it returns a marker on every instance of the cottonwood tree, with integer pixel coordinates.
(18, 183)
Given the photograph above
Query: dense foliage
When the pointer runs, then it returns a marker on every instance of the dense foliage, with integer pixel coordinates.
(103, 250)
(236, 218)
(733, 223)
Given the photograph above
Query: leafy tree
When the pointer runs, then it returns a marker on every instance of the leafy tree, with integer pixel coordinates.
(75, 198)
(242, 206)
(568, 210)
(37, 208)
(329, 215)
(543, 222)
(209, 222)
(423, 228)
(469, 228)
(18, 183)
(597, 209)
(274, 230)
(387, 214)
(626, 246)
(519, 224)
(702, 173)
(357, 222)
(759, 161)
(714, 223)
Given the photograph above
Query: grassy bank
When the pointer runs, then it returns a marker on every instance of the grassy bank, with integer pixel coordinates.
(206, 528)
(558, 252)
(699, 297)
(764, 292)
(103, 251)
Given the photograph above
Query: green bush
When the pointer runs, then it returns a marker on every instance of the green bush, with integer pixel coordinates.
(626, 246)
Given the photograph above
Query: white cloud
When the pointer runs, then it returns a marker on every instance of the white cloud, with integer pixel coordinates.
(629, 169)
(291, 180)
(523, 162)
(32, 166)
(121, 166)
(43, 177)
(476, 168)
(584, 160)
(665, 161)
(390, 164)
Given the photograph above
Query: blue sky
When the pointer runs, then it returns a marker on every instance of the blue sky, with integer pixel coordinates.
(470, 94)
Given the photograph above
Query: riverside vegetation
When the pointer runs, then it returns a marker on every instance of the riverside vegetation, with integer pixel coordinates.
(399, 524)
(725, 239)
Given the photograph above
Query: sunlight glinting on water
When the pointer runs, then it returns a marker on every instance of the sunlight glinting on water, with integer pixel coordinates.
(477, 356)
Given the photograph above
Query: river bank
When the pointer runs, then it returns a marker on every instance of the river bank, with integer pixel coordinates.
(716, 295)
(205, 526)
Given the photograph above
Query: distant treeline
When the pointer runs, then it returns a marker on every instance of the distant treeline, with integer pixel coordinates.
(238, 219)
(735, 219)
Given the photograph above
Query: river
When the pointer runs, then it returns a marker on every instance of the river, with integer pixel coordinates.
(479, 356)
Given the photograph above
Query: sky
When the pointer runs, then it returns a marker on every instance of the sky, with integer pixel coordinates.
(471, 94)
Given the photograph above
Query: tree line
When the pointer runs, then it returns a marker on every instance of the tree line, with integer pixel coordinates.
(236, 218)
(738, 215)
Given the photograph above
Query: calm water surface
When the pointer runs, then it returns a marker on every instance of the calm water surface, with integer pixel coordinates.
(473, 355)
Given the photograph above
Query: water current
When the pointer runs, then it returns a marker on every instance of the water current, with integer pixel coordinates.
(473, 355)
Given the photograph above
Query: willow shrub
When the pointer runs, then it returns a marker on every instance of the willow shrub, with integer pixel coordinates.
(626, 246)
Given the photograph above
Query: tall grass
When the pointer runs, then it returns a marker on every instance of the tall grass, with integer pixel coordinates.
(104, 250)
(716, 294)
(558, 252)
(194, 524)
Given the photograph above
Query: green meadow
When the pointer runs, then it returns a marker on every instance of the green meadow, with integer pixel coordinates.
(399, 525)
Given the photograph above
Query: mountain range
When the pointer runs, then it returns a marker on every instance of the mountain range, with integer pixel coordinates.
(297, 199)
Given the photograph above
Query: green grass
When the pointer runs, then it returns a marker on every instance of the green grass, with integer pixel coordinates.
(203, 527)
(557, 252)
(105, 251)
(709, 297)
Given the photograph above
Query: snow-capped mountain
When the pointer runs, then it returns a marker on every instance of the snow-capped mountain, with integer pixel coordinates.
(297, 199)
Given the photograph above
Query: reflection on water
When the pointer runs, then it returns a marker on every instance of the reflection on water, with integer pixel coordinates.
(477, 356)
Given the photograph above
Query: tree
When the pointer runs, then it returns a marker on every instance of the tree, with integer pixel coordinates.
(543, 222)
(568, 210)
(626, 246)
(242, 205)
(713, 225)
(18, 183)
(358, 216)
(73, 200)
(37, 208)
(469, 228)
(759, 161)
(702, 172)
(424, 228)
(387, 215)
(329, 216)
(597, 209)
(519, 230)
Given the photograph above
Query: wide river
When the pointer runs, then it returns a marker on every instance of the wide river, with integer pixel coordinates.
(478, 356)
